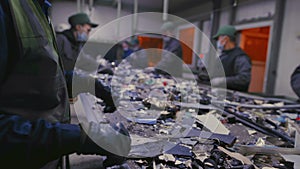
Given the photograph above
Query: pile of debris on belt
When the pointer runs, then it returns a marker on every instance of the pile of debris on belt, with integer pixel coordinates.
(177, 123)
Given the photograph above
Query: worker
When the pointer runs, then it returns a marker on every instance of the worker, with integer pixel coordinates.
(295, 81)
(127, 51)
(70, 43)
(114, 54)
(34, 108)
(171, 61)
(236, 63)
(139, 58)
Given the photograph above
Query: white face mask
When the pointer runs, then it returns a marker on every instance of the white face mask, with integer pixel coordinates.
(220, 46)
(82, 37)
(166, 38)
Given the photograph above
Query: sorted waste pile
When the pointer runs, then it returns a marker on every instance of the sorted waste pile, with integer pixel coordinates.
(177, 123)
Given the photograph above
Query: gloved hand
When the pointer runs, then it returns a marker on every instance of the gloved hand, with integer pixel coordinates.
(103, 92)
(104, 139)
(218, 81)
(149, 70)
(109, 109)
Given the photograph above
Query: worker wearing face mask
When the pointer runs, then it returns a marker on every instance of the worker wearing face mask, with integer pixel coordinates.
(69, 44)
(236, 63)
(127, 51)
(70, 41)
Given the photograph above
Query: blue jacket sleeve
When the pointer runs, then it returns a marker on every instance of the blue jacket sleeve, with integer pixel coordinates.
(26, 144)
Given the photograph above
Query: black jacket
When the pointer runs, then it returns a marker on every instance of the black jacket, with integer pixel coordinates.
(68, 49)
(295, 81)
(237, 69)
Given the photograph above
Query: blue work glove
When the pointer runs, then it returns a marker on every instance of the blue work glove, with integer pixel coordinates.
(104, 139)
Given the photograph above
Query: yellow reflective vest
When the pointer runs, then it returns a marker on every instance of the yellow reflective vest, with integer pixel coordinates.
(35, 87)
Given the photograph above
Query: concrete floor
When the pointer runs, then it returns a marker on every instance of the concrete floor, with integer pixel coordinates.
(84, 161)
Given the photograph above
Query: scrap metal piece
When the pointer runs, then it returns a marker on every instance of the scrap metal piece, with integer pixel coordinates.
(167, 157)
(251, 149)
(293, 158)
(180, 150)
(237, 156)
(263, 129)
(211, 122)
(251, 106)
(188, 141)
(151, 149)
(222, 138)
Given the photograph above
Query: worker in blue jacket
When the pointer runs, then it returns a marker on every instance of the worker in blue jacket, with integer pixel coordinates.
(295, 81)
(34, 108)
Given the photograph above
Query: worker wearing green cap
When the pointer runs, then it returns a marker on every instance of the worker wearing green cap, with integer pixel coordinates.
(70, 41)
(69, 44)
(236, 63)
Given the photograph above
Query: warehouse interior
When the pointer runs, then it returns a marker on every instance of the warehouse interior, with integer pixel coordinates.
(279, 57)
(267, 32)
(150, 84)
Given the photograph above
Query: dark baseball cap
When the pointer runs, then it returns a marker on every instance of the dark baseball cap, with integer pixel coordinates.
(226, 30)
(80, 19)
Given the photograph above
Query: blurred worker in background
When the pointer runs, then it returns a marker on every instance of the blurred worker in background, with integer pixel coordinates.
(171, 61)
(34, 107)
(70, 43)
(135, 44)
(127, 51)
(139, 57)
(115, 54)
(236, 63)
(295, 81)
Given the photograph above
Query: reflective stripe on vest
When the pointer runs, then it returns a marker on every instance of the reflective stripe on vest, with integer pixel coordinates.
(36, 87)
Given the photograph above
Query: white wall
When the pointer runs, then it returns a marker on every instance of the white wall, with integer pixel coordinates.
(61, 10)
(225, 8)
(196, 12)
(249, 9)
(104, 15)
(289, 56)
(224, 18)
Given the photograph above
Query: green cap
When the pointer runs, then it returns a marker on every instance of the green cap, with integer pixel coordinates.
(80, 19)
(168, 26)
(134, 41)
(225, 30)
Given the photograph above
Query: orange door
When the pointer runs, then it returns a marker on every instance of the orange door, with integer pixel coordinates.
(255, 43)
(147, 42)
(186, 37)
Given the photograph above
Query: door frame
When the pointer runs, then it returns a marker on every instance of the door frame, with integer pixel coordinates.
(195, 43)
(256, 25)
